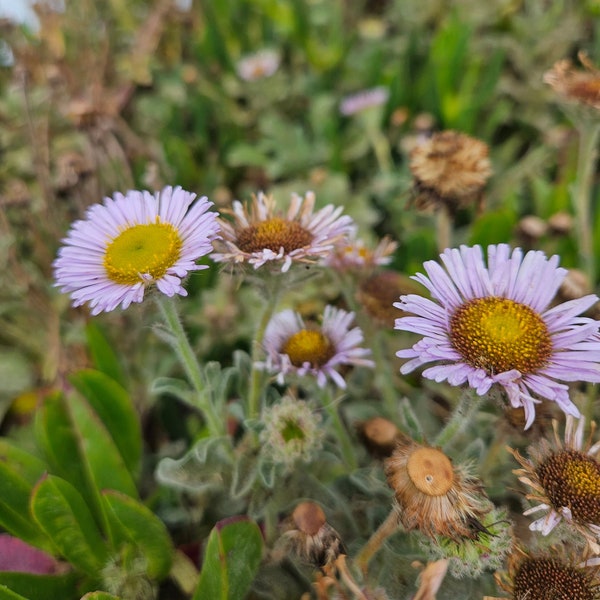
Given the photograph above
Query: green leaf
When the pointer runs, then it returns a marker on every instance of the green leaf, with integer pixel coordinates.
(62, 513)
(99, 596)
(232, 557)
(493, 227)
(103, 462)
(104, 357)
(6, 594)
(113, 405)
(19, 471)
(39, 587)
(139, 525)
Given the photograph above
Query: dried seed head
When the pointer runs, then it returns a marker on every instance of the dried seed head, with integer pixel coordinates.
(309, 518)
(450, 168)
(531, 228)
(378, 293)
(573, 85)
(431, 494)
(560, 223)
(575, 285)
(379, 436)
(310, 538)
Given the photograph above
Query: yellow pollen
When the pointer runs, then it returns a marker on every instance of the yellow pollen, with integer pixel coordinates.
(571, 478)
(498, 335)
(308, 346)
(431, 471)
(142, 250)
(273, 234)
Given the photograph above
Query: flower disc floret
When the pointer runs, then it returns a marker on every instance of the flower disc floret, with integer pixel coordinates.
(492, 324)
(572, 478)
(498, 334)
(308, 346)
(134, 241)
(274, 234)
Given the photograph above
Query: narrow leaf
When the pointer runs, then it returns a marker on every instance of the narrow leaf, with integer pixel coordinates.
(113, 405)
(104, 357)
(60, 510)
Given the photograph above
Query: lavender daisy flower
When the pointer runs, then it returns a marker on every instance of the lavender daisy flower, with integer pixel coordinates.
(262, 235)
(355, 103)
(131, 242)
(293, 347)
(492, 325)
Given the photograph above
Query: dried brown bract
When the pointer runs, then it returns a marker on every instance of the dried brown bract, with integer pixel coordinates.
(450, 169)
(575, 85)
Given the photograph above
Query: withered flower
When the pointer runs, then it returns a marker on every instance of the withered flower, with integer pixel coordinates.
(432, 495)
(575, 85)
(450, 169)
(379, 435)
(310, 538)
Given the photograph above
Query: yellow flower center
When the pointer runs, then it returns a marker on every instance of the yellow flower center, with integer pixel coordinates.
(548, 578)
(308, 345)
(142, 250)
(431, 471)
(572, 478)
(498, 335)
(274, 234)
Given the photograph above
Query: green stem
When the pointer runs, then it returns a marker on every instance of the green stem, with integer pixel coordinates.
(187, 357)
(582, 196)
(460, 419)
(340, 430)
(381, 147)
(256, 375)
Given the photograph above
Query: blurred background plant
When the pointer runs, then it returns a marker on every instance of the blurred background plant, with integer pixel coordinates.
(226, 99)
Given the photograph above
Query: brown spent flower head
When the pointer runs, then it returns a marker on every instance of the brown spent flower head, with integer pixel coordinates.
(379, 435)
(378, 293)
(432, 495)
(450, 169)
(311, 538)
(564, 478)
(574, 85)
(549, 576)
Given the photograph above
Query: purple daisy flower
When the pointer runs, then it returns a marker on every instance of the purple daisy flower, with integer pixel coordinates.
(134, 241)
(293, 347)
(492, 325)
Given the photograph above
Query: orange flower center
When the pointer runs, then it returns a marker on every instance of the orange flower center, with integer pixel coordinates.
(274, 234)
(498, 335)
(431, 471)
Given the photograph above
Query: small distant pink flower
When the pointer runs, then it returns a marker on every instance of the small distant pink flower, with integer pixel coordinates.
(350, 105)
(258, 65)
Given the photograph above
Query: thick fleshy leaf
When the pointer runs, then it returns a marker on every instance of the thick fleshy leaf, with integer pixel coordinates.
(232, 557)
(113, 405)
(104, 357)
(39, 587)
(19, 471)
(138, 525)
(99, 596)
(61, 512)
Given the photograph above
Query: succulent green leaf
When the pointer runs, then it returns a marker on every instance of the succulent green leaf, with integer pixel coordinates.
(7, 594)
(104, 357)
(232, 557)
(61, 512)
(99, 596)
(113, 405)
(39, 587)
(140, 526)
